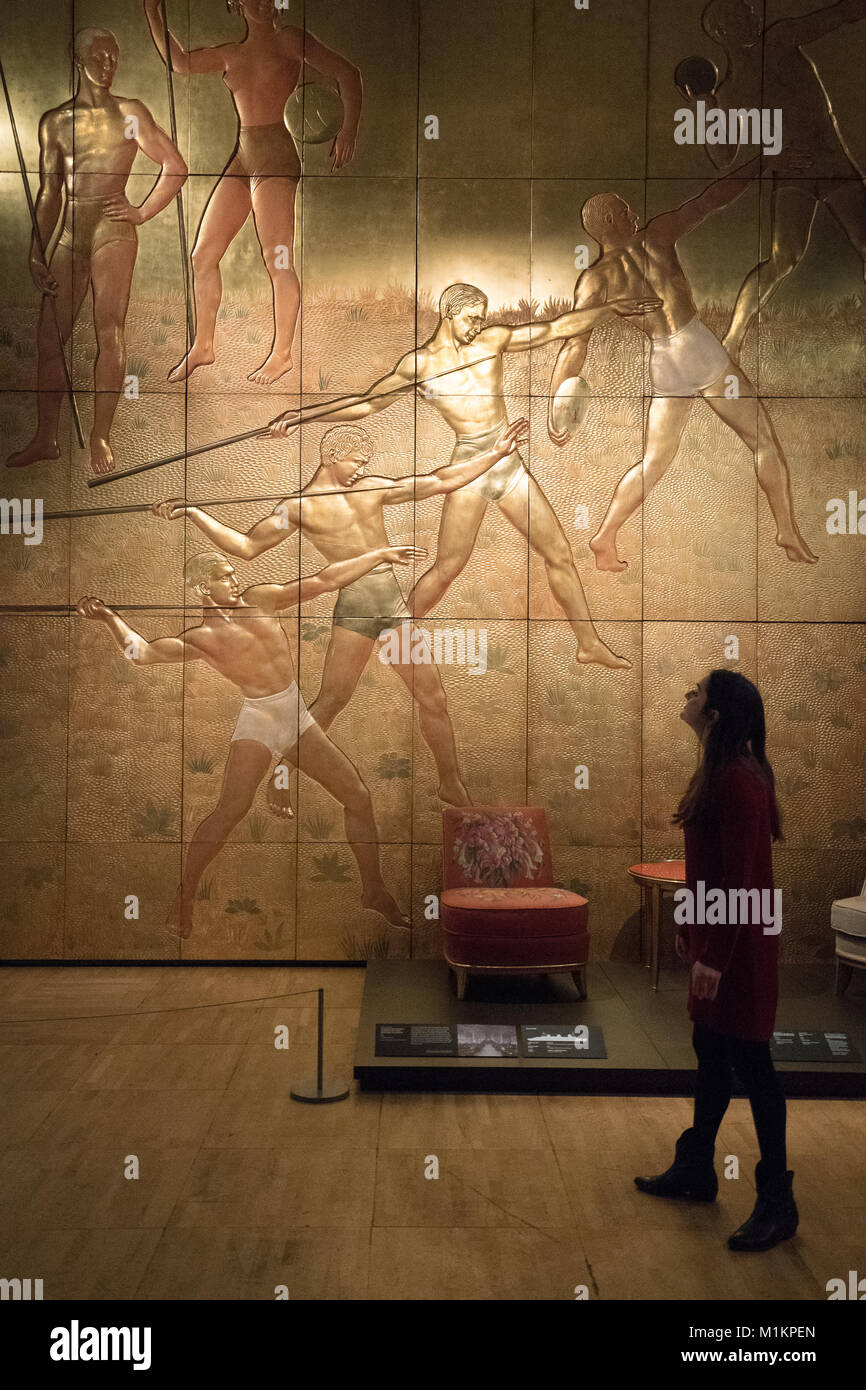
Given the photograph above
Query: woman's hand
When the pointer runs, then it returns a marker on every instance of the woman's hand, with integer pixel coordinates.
(343, 149)
(705, 981)
(120, 209)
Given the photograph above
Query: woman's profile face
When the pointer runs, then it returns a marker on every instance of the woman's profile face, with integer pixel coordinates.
(693, 711)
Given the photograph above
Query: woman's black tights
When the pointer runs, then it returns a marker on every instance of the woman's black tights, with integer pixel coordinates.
(717, 1057)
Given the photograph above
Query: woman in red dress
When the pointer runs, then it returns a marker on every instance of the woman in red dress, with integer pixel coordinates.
(730, 818)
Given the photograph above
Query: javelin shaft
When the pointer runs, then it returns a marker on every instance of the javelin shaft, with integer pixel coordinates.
(181, 220)
(212, 502)
(70, 608)
(174, 458)
(317, 412)
(37, 236)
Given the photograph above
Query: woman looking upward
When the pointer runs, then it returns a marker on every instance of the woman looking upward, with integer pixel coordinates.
(730, 819)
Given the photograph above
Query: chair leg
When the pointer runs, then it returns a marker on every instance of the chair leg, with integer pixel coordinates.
(843, 976)
(580, 981)
(462, 978)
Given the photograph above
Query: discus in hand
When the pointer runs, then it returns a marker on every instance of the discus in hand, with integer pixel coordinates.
(313, 113)
(570, 405)
(696, 77)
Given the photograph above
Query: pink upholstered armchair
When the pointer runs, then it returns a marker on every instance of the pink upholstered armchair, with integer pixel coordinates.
(500, 911)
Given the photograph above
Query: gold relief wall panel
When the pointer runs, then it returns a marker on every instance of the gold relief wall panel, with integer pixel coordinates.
(809, 879)
(338, 166)
(155, 321)
(33, 698)
(486, 698)
(359, 280)
(382, 43)
(580, 59)
(243, 325)
(584, 726)
(372, 725)
(33, 905)
(813, 676)
(331, 926)
(601, 876)
(699, 525)
(140, 73)
(674, 32)
(246, 907)
(34, 574)
(825, 443)
(213, 132)
(426, 887)
(37, 70)
(808, 340)
(125, 727)
(577, 480)
(483, 51)
(487, 580)
(100, 879)
(261, 467)
(21, 302)
(211, 707)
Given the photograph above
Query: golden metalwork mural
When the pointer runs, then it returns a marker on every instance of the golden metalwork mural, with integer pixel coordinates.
(404, 402)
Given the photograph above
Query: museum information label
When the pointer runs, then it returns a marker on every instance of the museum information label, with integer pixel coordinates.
(813, 1047)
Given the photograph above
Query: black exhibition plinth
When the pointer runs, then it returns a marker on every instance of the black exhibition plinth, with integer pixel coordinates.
(647, 1034)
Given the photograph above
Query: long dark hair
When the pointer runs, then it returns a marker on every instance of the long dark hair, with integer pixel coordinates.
(740, 731)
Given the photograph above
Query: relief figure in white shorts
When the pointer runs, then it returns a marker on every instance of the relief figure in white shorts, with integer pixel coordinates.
(241, 637)
(686, 359)
(341, 511)
(460, 372)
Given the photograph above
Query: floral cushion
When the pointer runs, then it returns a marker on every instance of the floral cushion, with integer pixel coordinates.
(496, 847)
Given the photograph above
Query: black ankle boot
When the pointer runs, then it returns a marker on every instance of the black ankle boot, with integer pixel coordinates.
(690, 1175)
(775, 1217)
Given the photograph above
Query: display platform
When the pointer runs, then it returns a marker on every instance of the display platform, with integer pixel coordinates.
(646, 1033)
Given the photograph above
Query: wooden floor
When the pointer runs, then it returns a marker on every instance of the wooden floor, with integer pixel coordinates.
(241, 1189)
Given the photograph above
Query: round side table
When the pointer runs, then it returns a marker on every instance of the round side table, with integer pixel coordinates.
(655, 880)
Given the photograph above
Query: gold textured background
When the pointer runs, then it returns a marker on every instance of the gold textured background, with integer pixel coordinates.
(106, 771)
